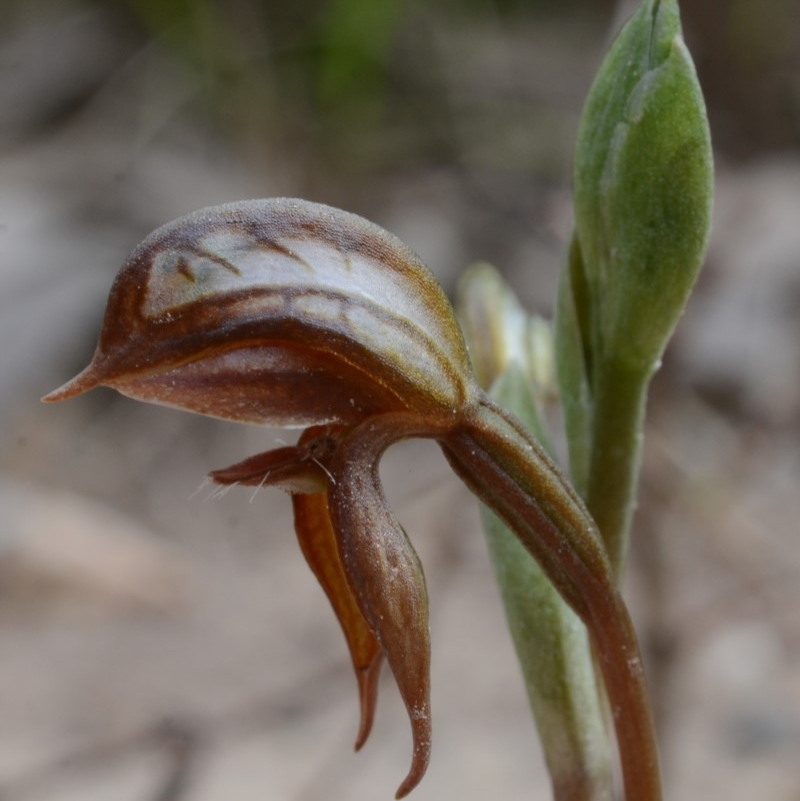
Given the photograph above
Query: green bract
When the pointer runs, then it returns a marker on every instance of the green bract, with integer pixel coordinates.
(643, 191)
(643, 188)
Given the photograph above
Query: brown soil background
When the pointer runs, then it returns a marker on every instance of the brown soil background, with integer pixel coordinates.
(163, 642)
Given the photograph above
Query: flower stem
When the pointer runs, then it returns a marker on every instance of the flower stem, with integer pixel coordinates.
(511, 473)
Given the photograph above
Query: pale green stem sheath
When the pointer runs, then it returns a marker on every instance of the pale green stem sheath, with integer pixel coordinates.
(513, 358)
(552, 645)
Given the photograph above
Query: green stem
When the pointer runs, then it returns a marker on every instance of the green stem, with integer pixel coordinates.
(620, 396)
(509, 471)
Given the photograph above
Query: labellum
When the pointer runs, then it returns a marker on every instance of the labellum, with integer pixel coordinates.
(289, 313)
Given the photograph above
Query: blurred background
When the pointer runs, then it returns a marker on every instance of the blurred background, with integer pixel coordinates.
(160, 641)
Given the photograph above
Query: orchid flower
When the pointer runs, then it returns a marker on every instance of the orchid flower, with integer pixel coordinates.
(289, 313)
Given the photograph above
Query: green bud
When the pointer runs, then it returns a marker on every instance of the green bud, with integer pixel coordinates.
(643, 188)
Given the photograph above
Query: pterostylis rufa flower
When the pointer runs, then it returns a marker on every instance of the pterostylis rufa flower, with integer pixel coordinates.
(289, 313)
